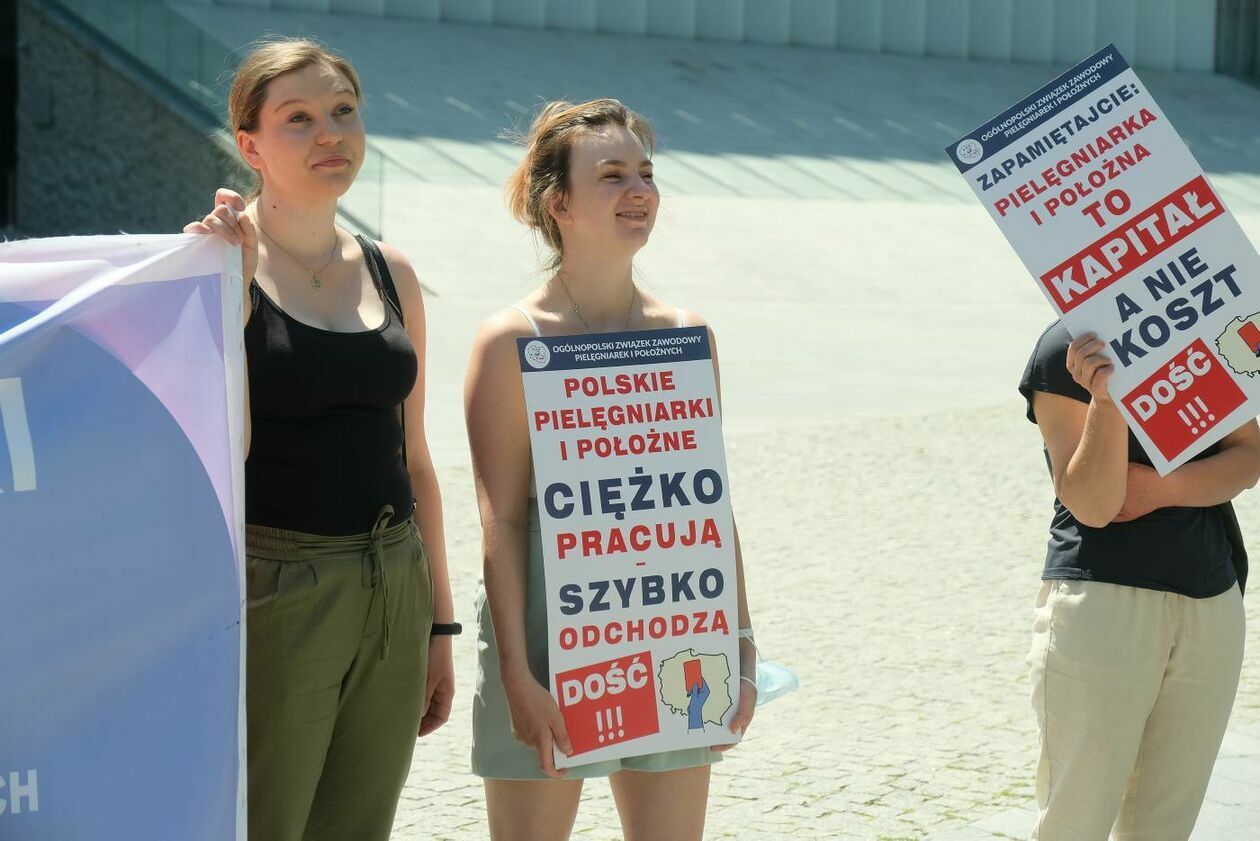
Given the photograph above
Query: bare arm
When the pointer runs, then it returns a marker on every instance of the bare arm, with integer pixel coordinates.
(1209, 481)
(747, 650)
(440, 677)
(424, 482)
(1088, 443)
(494, 409)
(1089, 455)
(1221, 477)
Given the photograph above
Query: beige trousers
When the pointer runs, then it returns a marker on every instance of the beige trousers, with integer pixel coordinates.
(1132, 689)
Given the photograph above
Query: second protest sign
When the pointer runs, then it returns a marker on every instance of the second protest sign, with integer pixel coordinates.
(638, 540)
(1113, 216)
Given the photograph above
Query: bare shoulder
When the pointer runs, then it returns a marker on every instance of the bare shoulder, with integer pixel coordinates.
(497, 335)
(691, 318)
(694, 319)
(405, 279)
(1058, 415)
(395, 259)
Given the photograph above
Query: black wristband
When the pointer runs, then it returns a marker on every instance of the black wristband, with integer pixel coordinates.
(446, 629)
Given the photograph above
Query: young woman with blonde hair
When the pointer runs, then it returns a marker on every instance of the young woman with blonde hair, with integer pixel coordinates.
(349, 606)
(586, 185)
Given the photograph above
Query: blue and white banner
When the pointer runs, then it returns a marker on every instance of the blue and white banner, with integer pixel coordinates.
(121, 538)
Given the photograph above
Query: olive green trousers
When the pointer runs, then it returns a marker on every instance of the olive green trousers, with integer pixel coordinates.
(337, 634)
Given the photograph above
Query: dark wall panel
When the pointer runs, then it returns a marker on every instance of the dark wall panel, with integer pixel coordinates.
(8, 108)
(1238, 38)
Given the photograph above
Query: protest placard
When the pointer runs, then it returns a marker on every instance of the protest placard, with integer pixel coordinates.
(121, 537)
(1110, 212)
(638, 540)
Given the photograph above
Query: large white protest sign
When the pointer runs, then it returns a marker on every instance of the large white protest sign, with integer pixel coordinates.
(638, 540)
(121, 531)
(1109, 210)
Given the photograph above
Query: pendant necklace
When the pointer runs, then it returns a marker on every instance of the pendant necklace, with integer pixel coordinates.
(315, 281)
(634, 296)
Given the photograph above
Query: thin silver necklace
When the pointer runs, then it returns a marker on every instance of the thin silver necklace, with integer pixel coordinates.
(634, 296)
(315, 281)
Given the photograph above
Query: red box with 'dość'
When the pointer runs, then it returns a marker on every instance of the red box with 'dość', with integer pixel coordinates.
(1184, 399)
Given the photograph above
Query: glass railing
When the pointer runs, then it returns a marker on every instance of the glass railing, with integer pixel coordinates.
(165, 42)
(198, 64)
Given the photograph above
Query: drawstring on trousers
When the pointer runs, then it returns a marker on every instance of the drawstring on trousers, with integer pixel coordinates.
(374, 571)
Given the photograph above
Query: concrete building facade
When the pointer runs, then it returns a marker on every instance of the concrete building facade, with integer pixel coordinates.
(73, 62)
(1157, 34)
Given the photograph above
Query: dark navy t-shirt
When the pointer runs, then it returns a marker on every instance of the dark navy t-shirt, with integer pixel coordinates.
(1182, 550)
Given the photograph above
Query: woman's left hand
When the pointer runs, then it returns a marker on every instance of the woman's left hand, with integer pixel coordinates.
(439, 688)
(743, 715)
(234, 226)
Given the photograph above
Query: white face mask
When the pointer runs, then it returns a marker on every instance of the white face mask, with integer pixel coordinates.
(774, 680)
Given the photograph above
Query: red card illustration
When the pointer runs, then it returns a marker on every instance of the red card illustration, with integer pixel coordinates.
(1184, 399)
(1250, 334)
(693, 675)
(607, 703)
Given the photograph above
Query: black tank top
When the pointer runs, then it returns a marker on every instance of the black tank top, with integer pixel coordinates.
(326, 438)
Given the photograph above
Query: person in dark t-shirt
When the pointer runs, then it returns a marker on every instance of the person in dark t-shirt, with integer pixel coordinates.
(1138, 635)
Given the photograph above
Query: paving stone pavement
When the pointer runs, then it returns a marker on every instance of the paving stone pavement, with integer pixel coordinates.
(892, 499)
(1231, 810)
(892, 563)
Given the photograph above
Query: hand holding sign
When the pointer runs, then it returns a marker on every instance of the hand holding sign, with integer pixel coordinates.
(1090, 367)
(536, 722)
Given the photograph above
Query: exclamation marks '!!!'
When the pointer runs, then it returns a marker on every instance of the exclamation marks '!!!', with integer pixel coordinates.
(1198, 417)
(604, 724)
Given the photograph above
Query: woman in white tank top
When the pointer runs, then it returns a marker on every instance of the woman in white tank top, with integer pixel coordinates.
(586, 186)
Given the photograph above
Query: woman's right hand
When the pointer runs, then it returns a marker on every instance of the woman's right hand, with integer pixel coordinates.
(536, 721)
(230, 221)
(1090, 367)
